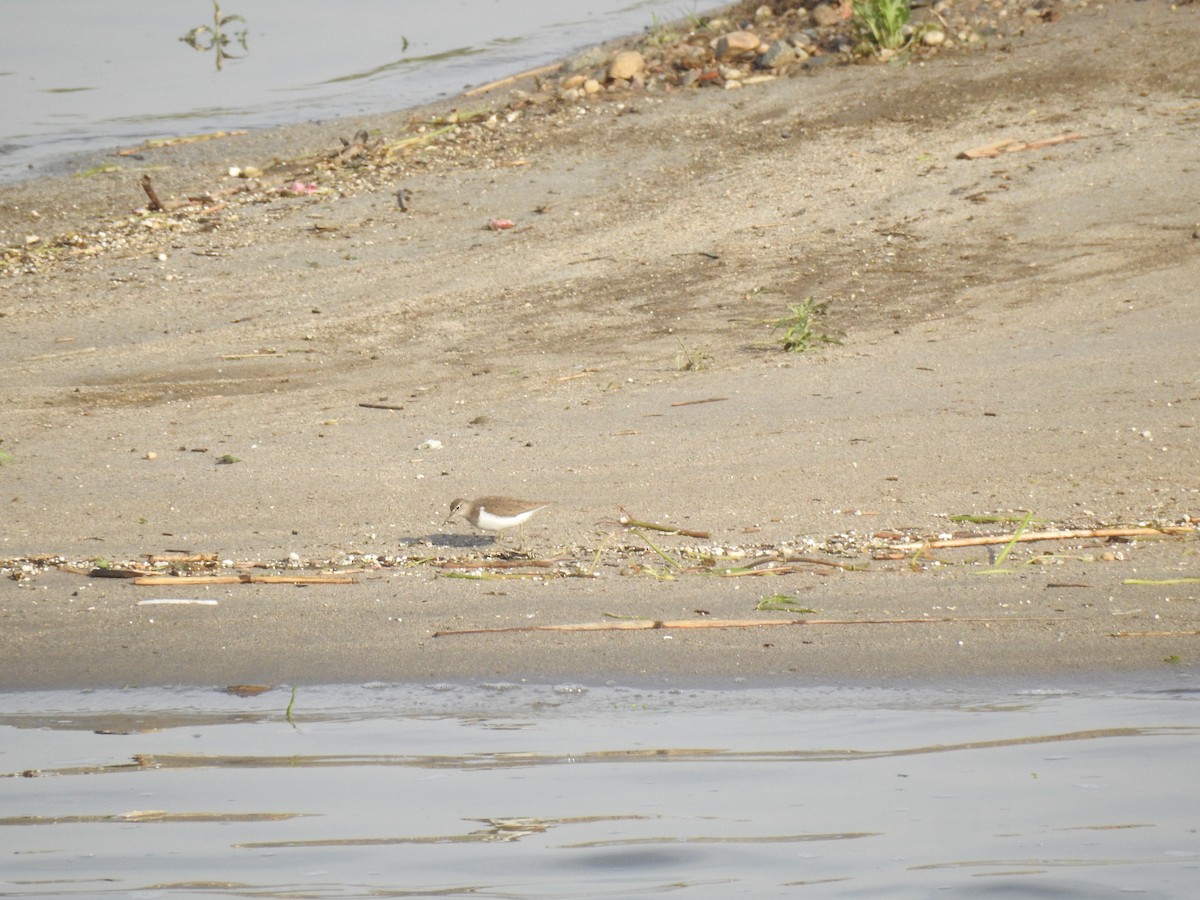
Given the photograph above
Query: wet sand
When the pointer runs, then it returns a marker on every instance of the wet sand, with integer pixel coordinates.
(1016, 334)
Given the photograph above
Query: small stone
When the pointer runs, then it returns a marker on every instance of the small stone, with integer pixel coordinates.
(151, 455)
(736, 43)
(589, 59)
(826, 14)
(626, 64)
(933, 38)
(574, 81)
(592, 86)
(764, 13)
(780, 53)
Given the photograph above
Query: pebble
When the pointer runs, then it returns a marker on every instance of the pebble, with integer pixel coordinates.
(626, 64)
(780, 53)
(826, 15)
(736, 43)
(933, 38)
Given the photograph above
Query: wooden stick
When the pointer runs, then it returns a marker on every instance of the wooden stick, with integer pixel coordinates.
(150, 192)
(1010, 146)
(175, 142)
(1053, 536)
(809, 560)
(244, 579)
(512, 79)
(499, 564)
(655, 624)
(629, 522)
(380, 406)
(697, 402)
(745, 571)
(1153, 633)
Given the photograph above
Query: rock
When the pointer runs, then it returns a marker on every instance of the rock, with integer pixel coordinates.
(780, 53)
(588, 59)
(933, 38)
(626, 64)
(574, 81)
(592, 86)
(763, 14)
(826, 14)
(736, 43)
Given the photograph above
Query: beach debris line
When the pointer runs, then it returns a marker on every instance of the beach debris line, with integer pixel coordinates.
(659, 624)
(244, 578)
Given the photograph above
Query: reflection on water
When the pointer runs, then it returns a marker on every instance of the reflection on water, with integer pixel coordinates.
(512, 791)
(215, 40)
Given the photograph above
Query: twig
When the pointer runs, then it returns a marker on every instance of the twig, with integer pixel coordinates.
(380, 406)
(512, 79)
(182, 558)
(499, 564)
(809, 560)
(1150, 633)
(245, 579)
(175, 142)
(1053, 536)
(697, 402)
(628, 522)
(747, 570)
(150, 192)
(1161, 581)
(1011, 146)
(655, 624)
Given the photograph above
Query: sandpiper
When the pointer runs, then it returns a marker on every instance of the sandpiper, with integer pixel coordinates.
(494, 513)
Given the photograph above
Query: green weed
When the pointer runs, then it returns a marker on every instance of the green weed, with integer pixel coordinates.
(692, 359)
(881, 22)
(799, 334)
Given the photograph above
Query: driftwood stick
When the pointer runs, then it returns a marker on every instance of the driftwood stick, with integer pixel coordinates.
(1055, 536)
(512, 79)
(747, 571)
(1154, 633)
(655, 624)
(150, 192)
(244, 579)
(808, 560)
(1011, 146)
(697, 402)
(499, 564)
(381, 406)
(627, 521)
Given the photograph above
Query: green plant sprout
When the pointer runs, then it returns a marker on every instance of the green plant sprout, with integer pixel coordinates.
(799, 335)
(881, 22)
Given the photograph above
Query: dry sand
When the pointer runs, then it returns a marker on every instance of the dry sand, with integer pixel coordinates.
(1020, 333)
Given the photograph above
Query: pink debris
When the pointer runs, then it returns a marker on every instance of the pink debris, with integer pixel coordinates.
(500, 224)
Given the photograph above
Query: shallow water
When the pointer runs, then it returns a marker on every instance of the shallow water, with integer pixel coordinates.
(85, 75)
(527, 791)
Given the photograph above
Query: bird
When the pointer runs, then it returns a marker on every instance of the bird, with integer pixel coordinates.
(494, 513)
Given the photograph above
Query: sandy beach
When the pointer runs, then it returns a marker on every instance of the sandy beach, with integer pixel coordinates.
(577, 302)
